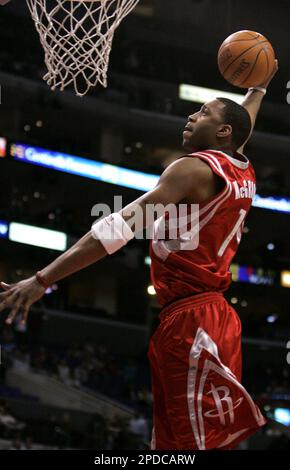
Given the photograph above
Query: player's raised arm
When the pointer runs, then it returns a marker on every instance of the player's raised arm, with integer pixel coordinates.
(186, 178)
(253, 100)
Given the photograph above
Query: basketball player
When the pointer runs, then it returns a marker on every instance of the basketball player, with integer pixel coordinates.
(195, 353)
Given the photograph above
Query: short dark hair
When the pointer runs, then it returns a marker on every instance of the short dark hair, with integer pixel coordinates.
(238, 117)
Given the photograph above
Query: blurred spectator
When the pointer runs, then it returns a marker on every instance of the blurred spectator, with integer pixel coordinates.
(80, 375)
(98, 433)
(8, 339)
(60, 431)
(39, 359)
(64, 373)
(145, 397)
(28, 443)
(21, 360)
(139, 426)
(8, 422)
(281, 442)
(16, 444)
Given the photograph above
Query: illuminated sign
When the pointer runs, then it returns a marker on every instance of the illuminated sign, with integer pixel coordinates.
(113, 174)
(285, 278)
(37, 236)
(282, 415)
(253, 275)
(84, 167)
(199, 94)
(3, 229)
(3, 145)
(272, 203)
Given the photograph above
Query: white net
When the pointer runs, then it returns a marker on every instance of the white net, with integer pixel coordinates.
(77, 36)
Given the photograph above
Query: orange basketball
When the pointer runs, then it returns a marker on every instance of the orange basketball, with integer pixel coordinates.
(246, 59)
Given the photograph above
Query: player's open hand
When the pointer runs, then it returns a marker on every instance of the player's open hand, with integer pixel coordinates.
(19, 297)
(273, 73)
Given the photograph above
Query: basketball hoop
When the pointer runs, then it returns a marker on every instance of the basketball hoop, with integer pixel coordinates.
(77, 36)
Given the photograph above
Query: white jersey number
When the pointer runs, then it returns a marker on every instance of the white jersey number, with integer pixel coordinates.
(237, 230)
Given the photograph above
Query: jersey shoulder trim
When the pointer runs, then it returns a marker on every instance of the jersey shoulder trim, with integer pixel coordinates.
(243, 165)
(212, 161)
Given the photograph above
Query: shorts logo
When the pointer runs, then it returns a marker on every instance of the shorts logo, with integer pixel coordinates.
(219, 400)
(216, 399)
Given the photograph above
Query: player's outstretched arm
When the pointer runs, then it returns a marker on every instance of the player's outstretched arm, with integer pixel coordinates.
(253, 101)
(187, 178)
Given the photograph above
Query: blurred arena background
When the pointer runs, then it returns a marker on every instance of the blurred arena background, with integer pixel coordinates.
(78, 375)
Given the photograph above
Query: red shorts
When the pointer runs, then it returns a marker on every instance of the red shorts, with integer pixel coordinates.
(195, 357)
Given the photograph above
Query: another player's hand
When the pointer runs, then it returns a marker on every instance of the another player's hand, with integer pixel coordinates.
(19, 297)
(273, 73)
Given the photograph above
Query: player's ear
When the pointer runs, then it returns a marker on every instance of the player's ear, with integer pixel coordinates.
(224, 130)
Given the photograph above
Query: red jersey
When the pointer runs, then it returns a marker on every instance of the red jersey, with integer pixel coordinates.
(199, 260)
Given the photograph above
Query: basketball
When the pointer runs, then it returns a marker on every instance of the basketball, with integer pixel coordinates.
(246, 59)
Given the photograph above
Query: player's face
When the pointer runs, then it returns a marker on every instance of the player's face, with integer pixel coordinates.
(201, 129)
